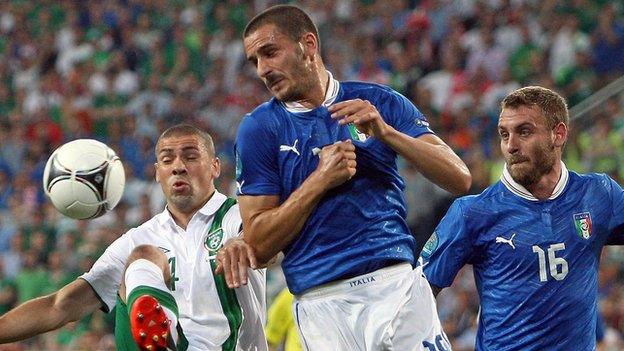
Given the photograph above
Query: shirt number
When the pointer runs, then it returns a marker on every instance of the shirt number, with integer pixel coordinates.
(172, 268)
(558, 266)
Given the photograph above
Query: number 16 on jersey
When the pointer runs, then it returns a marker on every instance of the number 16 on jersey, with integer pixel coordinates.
(558, 266)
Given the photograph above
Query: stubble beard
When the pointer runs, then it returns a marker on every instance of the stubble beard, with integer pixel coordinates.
(542, 163)
(297, 92)
(183, 203)
(303, 84)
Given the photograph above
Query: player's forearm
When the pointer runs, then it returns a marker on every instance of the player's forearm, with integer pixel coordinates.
(437, 162)
(31, 318)
(50, 312)
(270, 231)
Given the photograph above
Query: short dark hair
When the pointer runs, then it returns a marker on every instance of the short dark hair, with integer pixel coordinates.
(290, 20)
(552, 104)
(187, 130)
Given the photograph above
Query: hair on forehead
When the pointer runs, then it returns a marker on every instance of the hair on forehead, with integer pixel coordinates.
(289, 20)
(181, 130)
(552, 105)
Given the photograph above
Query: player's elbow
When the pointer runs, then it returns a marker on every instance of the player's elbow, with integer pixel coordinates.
(462, 183)
(63, 310)
(262, 251)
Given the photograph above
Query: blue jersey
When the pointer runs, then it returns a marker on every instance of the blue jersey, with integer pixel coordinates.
(535, 262)
(359, 226)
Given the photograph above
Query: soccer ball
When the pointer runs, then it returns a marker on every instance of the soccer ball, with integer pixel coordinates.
(84, 179)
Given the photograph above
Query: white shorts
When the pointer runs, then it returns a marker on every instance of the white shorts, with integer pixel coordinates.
(390, 309)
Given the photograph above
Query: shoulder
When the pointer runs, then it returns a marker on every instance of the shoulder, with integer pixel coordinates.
(366, 89)
(232, 222)
(592, 181)
(153, 225)
(595, 183)
(484, 201)
(590, 178)
(265, 111)
(264, 119)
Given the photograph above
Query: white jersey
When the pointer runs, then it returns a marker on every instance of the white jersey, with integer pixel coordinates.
(203, 315)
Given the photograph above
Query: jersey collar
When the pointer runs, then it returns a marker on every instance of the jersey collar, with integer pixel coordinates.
(330, 96)
(525, 194)
(210, 208)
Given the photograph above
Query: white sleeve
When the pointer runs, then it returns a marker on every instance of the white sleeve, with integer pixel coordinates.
(106, 274)
(232, 223)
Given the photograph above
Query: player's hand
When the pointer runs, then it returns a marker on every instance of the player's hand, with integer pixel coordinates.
(361, 113)
(337, 163)
(234, 258)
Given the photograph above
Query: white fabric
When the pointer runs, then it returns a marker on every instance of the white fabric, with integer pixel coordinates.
(333, 86)
(200, 312)
(521, 191)
(143, 272)
(390, 309)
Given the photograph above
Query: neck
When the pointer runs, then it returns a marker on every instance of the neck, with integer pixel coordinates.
(317, 93)
(544, 188)
(183, 217)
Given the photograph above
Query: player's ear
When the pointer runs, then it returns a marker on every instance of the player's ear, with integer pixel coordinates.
(310, 45)
(560, 134)
(156, 172)
(216, 167)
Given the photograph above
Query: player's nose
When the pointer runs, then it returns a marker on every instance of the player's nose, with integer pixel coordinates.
(263, 69)
(512, 144)
(178, 166)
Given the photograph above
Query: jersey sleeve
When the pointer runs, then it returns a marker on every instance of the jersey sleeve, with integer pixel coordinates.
(106, 274)
(401, 114)
(232, 224)
(257, 172)
(449, 248)
(616, 225)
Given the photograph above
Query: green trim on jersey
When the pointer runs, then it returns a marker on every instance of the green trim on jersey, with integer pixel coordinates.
(123, 335)
(227, 296)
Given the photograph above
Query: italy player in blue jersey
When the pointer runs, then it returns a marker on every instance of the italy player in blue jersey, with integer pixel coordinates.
(534, 238)
(318, 180)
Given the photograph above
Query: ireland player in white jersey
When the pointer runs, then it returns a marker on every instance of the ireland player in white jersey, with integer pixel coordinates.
(167, 270)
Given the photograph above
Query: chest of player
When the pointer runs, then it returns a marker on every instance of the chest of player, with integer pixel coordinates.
(302, 137)
(542, 241)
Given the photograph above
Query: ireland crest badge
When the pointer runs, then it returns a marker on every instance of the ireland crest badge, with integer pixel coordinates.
(214, 241)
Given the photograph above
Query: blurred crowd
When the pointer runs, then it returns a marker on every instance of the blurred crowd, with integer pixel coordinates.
(121, 71)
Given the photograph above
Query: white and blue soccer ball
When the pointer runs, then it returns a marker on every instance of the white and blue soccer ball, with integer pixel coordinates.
(84, 179)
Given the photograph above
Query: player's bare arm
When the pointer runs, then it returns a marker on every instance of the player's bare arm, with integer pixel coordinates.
(270, 227)
(433, 158)
(36, 316)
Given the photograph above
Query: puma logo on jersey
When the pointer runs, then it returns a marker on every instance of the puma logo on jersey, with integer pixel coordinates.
(501, 240)
(292, 148)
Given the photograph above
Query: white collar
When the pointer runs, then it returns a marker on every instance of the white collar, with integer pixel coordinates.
(330, 96)
(525, 194)
(210, 208)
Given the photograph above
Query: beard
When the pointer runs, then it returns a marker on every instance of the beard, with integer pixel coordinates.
(302, 81)
(183, 202)
(528, 171)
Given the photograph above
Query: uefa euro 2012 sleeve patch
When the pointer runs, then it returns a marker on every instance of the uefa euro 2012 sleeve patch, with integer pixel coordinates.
(430, 246)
